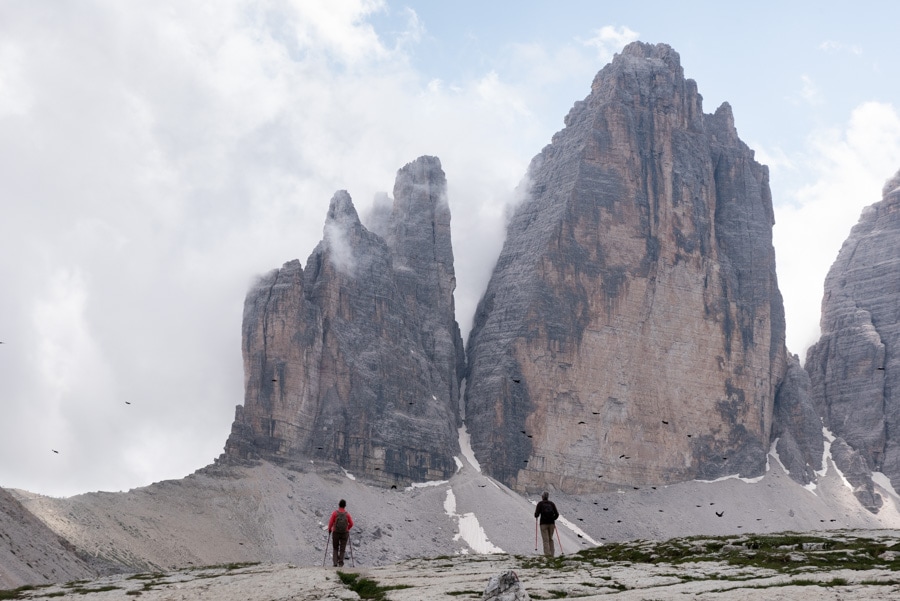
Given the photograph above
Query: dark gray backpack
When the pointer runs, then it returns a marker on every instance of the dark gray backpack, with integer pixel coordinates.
(340, 523)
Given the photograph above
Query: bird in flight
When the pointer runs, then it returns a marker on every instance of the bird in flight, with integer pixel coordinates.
(720, 513)
(55, 451)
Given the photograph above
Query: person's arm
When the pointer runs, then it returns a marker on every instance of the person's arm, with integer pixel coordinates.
(349, 521)
(555, 513)
(331, 521)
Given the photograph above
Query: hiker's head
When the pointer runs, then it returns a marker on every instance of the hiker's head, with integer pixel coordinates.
(342, 503)
(545, 495)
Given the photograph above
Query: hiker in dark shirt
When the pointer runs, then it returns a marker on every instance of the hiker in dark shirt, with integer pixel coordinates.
(339, 526)
(546, 511)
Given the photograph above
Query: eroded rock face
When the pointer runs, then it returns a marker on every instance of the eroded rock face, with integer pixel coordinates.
(632, 331)
(356, 359)
(855, 365)
(796, 427)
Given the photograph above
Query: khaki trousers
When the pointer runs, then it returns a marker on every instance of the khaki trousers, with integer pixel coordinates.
(547, 538)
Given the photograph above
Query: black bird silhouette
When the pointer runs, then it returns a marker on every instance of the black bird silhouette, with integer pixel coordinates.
(636, 488)
(274, 380)
(579, 423)
(618, 521)
(660, 510)
(393, 487)
(665, 422)
(600, 476)
(689, 435)
(579, 536)
(517, 381)
(127, 402)
(620, 456)
(55, 451)
(712, 503)
(606, 509)
(720, 514)
(878, 368)
(653, 487)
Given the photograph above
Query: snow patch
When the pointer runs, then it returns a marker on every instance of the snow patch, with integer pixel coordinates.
(465, 445)
(459, 463)
(348, 474)
(577, 531)
(732, 477)
(426, 484)
(884, 482)
(773, 451)
(470, 531)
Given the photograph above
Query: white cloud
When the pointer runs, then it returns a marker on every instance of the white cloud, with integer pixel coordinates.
(153, 168)
(850, 165)
(609, 39)
(833, 46)
(809, 92)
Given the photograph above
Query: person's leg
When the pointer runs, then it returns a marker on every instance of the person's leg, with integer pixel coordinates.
(547, 539)
(343, 538)
(335, 545)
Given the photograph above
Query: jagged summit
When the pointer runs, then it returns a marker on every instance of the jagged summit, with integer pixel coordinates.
(355, 359)
(632, 331)
(341, 208)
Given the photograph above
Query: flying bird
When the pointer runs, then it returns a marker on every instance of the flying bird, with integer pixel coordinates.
(579, 423)
(55, 451)
(517, 381)
(127, 402)
(621, 456)
(720, 514)
(665, 422)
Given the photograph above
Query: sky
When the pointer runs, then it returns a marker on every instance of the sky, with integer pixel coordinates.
(158, 156)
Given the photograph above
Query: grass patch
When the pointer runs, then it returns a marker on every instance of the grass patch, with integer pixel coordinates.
(15, 593)
(83, 590)
(367, 588)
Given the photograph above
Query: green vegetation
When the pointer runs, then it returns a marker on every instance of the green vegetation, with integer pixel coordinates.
(367, 588)
(15, 593)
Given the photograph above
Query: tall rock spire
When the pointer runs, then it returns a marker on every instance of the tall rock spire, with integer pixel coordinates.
(355, 360)
(855, 365)
(633, 330)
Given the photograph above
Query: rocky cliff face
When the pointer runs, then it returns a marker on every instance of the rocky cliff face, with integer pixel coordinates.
(356, 359)
(855, 365)
(632, 331)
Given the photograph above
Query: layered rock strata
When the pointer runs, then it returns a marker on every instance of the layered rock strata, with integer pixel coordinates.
(356, 359)
(632, 331)
(855, 365)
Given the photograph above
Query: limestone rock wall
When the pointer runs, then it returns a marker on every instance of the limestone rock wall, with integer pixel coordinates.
(855, 365)
(632, 331)
(356, 359)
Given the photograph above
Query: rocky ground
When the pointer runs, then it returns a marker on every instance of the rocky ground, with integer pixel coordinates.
(265, 525)
(845, 565)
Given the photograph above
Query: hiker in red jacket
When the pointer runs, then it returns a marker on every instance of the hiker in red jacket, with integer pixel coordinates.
(339, 526)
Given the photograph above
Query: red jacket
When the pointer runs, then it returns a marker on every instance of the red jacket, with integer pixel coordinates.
(334, 517)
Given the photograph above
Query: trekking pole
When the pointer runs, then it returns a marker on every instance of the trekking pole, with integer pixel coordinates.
(535, 534)
(559, 541)
(326, 548)
(350, 542)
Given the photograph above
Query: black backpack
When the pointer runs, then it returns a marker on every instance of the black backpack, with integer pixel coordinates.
(548, 511)
(340, 523)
